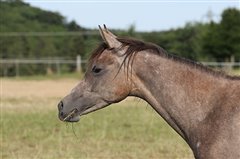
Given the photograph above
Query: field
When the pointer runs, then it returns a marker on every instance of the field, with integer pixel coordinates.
(30, 128)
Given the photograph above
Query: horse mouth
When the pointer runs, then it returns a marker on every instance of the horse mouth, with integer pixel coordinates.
(73, 116)
(94, 108)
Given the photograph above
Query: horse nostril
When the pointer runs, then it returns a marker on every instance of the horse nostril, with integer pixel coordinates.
(60, 105)
(61, 114)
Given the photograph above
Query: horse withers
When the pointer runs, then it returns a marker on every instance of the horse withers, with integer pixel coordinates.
(201, 105)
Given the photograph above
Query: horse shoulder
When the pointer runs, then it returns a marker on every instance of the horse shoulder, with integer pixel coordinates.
(219, 134)
(227, 130)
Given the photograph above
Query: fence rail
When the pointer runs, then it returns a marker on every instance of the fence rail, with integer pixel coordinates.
(77, 64)
(36, 61)
(221, 64)
(9, 64)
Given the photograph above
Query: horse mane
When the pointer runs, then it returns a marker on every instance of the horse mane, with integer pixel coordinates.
(136, 46)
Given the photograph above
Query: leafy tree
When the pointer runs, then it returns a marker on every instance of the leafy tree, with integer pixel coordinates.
(210, 42)
(230, 32)
(73, 26)
(223, 39)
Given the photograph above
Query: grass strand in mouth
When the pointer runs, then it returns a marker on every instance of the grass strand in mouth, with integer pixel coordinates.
(70, 115)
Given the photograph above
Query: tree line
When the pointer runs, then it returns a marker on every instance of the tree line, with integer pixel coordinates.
(213, 41)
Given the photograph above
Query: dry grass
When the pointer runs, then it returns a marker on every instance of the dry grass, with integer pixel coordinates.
(30, 128)
(24, 95)
(12, 88)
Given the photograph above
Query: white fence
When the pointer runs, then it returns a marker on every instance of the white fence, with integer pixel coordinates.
(16, 63)
(78, 62)
(222, 64)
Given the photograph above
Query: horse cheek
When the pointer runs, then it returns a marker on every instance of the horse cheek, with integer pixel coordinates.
(121, 92)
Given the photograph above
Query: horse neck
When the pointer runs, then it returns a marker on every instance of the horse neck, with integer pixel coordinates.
(182, 95)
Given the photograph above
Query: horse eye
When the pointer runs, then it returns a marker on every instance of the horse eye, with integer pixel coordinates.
(96, 70)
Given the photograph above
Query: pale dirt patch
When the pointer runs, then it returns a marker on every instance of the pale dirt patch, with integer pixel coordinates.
(28, 89)
(33, 95)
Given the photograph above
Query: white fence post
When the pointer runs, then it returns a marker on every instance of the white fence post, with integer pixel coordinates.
(58, 67)
(17, 68)
(78, 64)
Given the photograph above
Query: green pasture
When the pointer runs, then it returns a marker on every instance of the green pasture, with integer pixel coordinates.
(30, 129)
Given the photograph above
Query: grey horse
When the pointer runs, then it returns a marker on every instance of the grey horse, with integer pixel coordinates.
(201, 105)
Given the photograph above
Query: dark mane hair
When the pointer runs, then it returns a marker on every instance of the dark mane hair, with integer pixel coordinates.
(135, 46)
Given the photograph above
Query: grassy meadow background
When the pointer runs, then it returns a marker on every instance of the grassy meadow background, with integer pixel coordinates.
(30, 128)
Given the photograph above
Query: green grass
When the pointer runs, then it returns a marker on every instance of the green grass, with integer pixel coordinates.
(129, 130)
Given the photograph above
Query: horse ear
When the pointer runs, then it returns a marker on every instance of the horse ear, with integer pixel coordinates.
(109, 38)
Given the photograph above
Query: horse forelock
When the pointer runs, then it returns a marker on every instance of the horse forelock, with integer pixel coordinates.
(97, 52)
